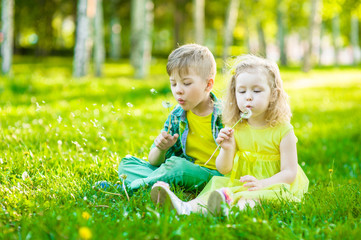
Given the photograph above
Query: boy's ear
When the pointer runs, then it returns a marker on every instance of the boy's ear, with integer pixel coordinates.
(210, 83)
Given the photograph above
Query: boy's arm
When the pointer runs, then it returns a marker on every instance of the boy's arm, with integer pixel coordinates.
(162, 144)
(156, 156)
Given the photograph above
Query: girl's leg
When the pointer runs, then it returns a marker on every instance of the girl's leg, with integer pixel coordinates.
(219, 202)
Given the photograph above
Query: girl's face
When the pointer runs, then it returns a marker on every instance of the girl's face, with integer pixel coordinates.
(253, 92)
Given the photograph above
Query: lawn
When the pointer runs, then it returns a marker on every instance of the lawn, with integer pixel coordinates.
(59, 135)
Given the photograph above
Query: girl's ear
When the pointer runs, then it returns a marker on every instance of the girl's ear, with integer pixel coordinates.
(210, 83)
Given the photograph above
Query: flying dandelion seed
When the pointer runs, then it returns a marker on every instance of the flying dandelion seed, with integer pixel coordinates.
(87, 108)
(59, 119)
(129, 105)
(153, 91)
(37, 107)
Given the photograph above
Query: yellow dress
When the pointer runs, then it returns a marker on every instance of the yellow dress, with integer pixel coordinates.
(258, 155)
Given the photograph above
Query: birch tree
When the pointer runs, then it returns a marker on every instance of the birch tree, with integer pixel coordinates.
(81, 51)
(198, 10)
(231, 20)
(355, 39)
(115, 30)
(281, 31)
(141, 30)
(7, 20)
(99, 49)
(336, 38)
(314, 30)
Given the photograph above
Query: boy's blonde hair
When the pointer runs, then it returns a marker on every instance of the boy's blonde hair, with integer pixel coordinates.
(194, 56)
(278, 110)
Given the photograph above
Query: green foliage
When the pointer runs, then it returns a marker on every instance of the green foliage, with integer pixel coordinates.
(60, 135)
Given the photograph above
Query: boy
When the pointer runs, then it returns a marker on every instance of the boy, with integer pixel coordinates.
(178, 155)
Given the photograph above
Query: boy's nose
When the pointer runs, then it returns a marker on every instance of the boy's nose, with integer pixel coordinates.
(179, 90)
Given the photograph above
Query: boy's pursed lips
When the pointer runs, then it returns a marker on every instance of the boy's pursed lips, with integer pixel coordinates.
(180, 101)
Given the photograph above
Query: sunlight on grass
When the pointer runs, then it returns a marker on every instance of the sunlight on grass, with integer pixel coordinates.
(59, 135)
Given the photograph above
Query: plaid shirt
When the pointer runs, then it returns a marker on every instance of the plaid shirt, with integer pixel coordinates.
(179, 124)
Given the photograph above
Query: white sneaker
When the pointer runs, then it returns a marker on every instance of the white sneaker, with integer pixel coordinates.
(162, 195)
(219, 201)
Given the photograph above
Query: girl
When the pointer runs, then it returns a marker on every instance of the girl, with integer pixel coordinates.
(258, 156)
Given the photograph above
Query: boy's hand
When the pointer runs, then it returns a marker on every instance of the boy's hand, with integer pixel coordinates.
(226, 139)
(164, 141)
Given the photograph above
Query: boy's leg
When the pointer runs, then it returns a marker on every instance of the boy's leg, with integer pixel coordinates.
(135, 169)
(178, 171)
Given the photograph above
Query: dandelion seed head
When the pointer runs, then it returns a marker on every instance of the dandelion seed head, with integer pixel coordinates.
(246, 114)
(153, 91)
(167, 104)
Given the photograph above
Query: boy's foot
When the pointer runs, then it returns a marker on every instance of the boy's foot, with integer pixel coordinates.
(105, 185)
(217, 202)
(162, 195)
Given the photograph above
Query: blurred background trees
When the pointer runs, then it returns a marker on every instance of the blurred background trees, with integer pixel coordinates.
(294, 32)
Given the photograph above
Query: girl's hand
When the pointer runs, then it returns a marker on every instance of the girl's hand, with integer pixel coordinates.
(164, 141)
(226, 138)
(252, 183)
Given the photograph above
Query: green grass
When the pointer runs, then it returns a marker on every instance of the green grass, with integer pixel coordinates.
(68, 133)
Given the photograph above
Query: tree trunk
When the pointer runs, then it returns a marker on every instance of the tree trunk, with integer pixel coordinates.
(141, 30)
(149, 18)
(199, 20)
(262, 50)
(320, 50)
(355, 39)
(179, 20)
(245, 23)
(115, 30)
(313, 32)
(81, 53)
(231, 20)
(336, 36)
(99, 49)
(281, 32)
(7, 20)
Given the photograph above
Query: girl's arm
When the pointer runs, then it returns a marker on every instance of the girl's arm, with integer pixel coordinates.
(224, 161)
(288, 151)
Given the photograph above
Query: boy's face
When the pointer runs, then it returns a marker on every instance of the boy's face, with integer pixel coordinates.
(190, 90)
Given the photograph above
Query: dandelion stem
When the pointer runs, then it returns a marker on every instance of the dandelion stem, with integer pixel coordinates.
(116, 194)
(125, 190)
(243, 115)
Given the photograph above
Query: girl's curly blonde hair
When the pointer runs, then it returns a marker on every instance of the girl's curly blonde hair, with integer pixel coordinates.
(278, 110)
